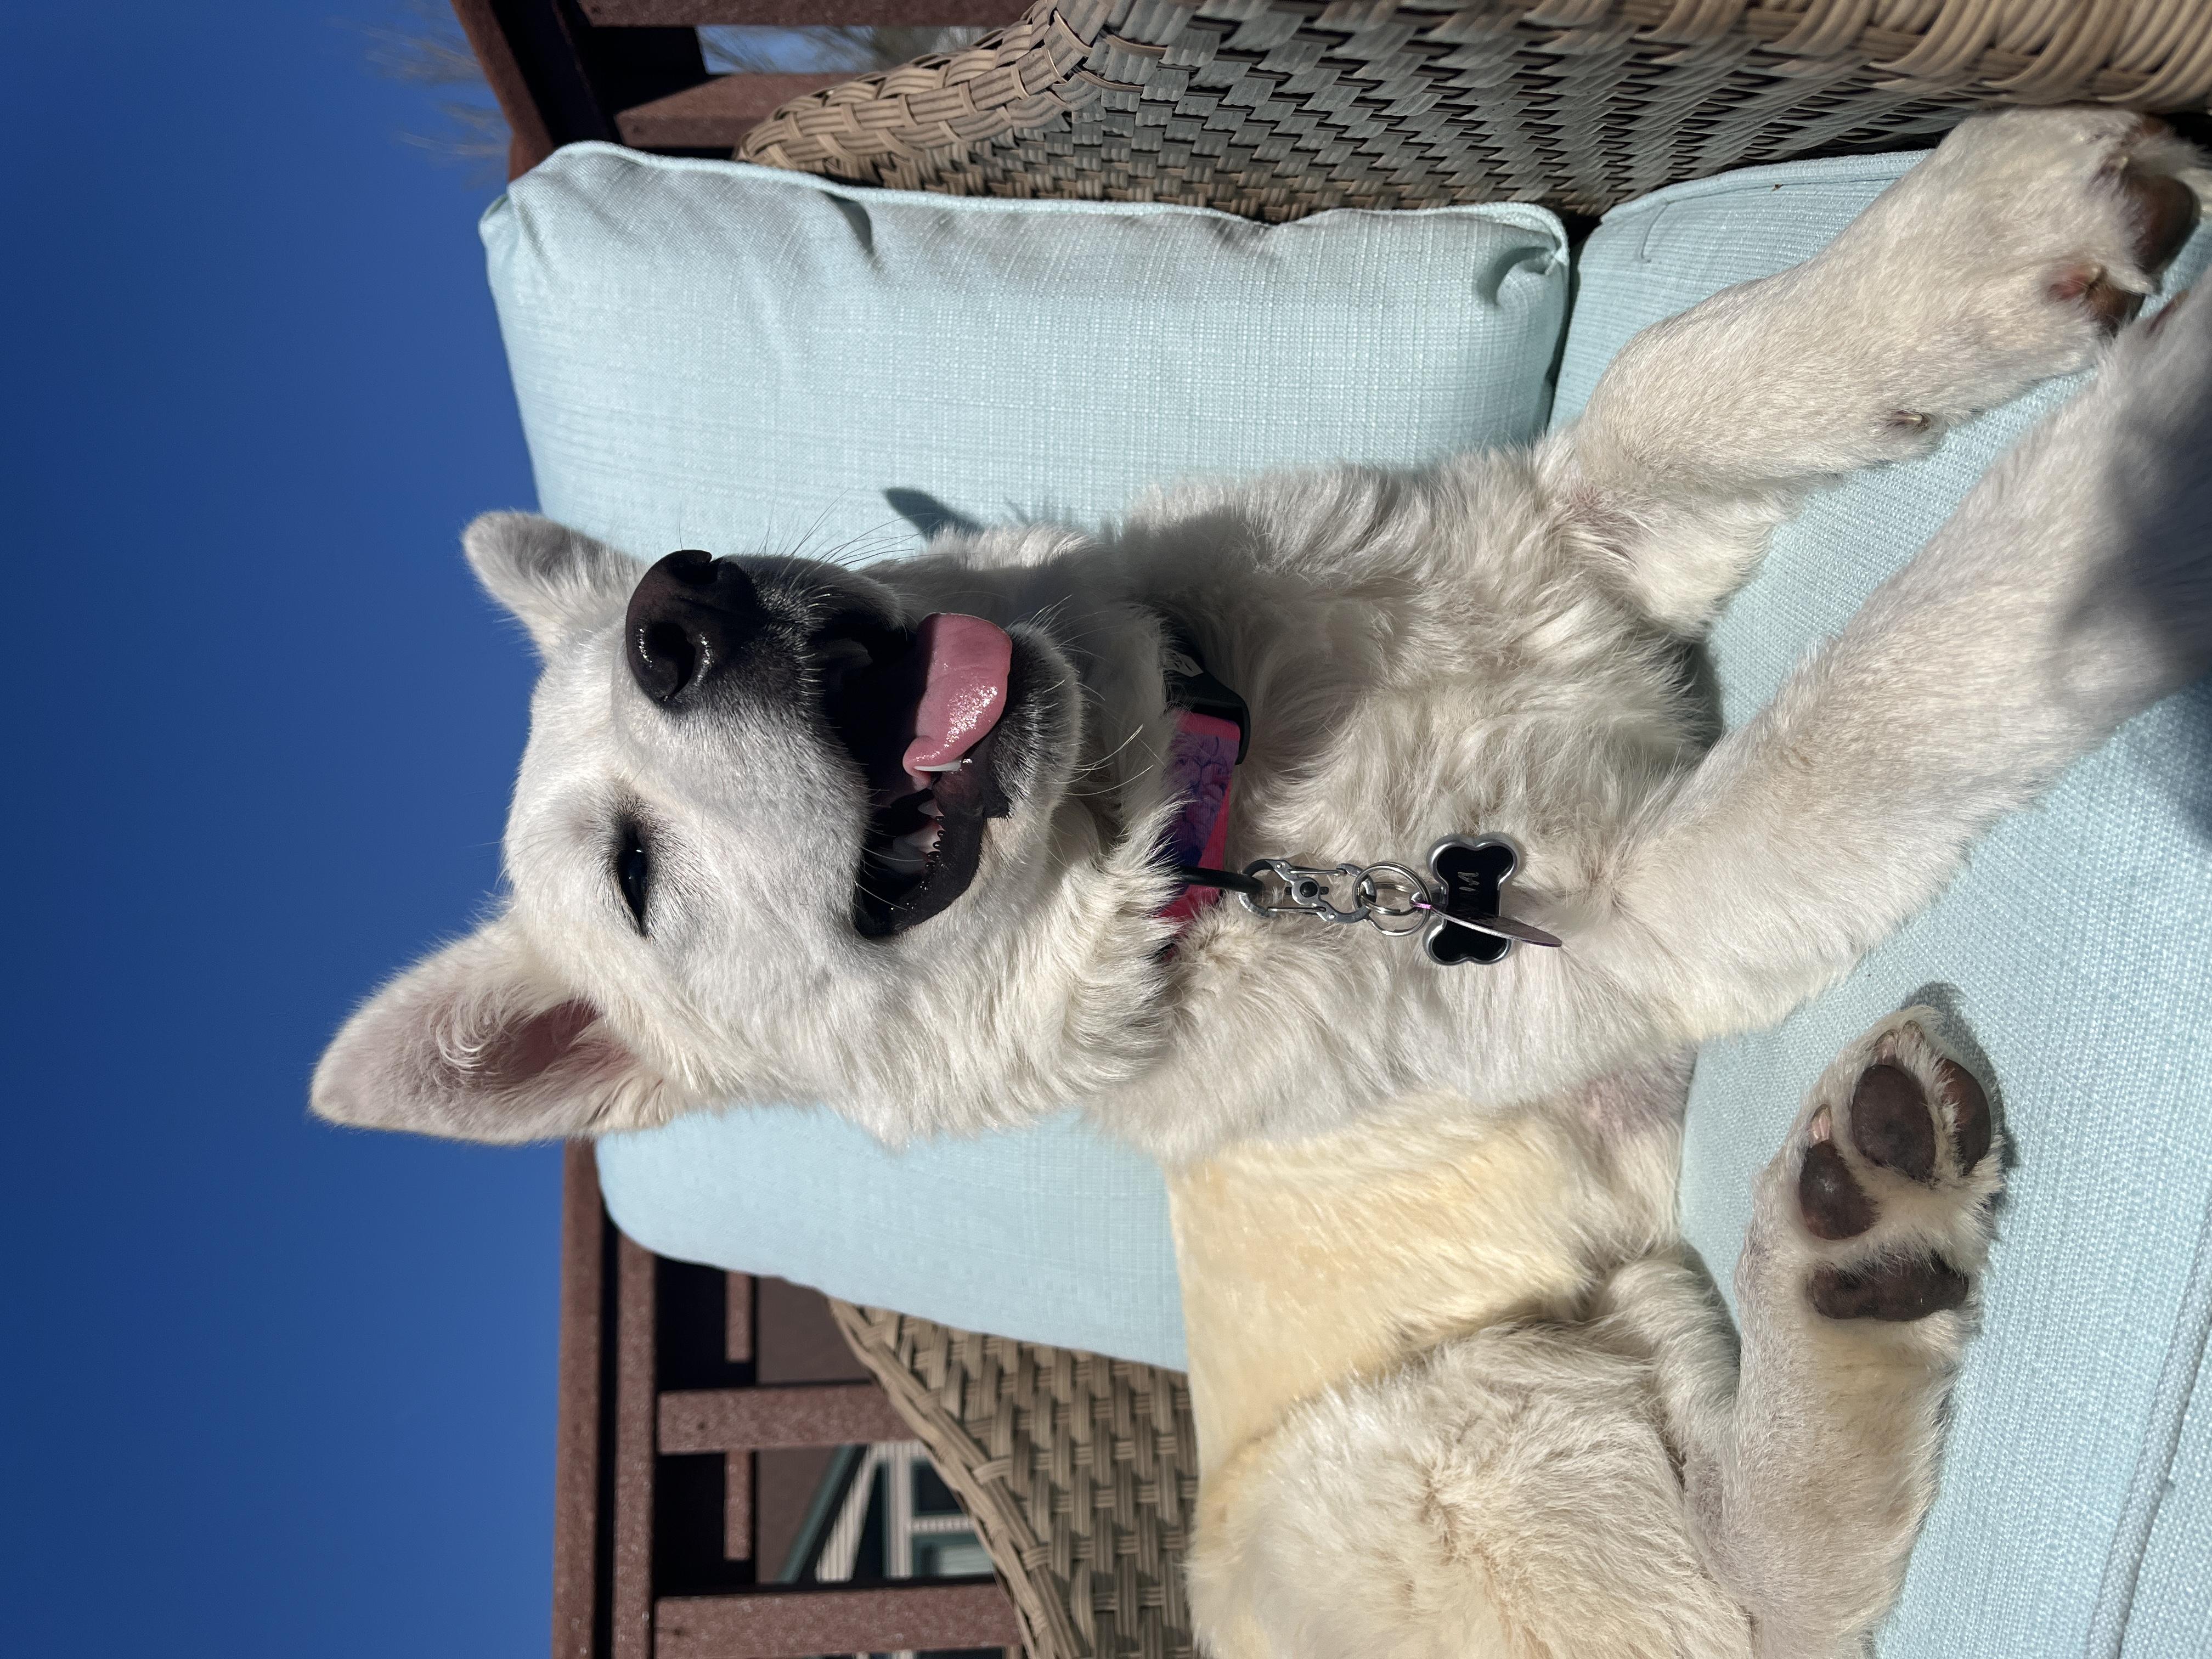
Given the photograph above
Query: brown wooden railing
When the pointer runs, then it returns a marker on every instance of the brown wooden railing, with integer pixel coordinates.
(697, 1410)
(632, 70)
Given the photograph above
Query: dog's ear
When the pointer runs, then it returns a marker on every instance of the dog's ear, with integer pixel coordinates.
(554, 579)
(475, 1042)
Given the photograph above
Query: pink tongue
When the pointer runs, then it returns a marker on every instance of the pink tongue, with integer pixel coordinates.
(964, 694)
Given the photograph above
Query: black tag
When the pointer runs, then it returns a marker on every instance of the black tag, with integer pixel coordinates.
(1471, 876)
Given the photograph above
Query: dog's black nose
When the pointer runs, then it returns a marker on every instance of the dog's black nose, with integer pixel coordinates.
(692, 616)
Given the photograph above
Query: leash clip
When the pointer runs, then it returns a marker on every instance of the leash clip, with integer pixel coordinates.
(1389, 897)
(1291, 890)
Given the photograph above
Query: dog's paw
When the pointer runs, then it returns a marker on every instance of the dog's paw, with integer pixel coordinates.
(2117, 195)
(2019, 248)
(1896, 1162)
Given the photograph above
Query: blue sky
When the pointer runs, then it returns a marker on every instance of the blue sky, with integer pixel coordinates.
(268, 1388)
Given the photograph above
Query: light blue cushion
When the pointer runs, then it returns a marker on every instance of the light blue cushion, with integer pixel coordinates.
(716, 355)
(1057, 1234)
(2076, 1518)
(722, 355)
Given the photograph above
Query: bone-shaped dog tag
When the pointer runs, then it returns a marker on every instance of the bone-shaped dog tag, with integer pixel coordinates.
(1470, 882)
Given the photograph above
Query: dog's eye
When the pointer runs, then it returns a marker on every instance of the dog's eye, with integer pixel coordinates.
(633, 872)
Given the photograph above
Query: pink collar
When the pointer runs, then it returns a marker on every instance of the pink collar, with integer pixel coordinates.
(1212, 730)
(1455, 909)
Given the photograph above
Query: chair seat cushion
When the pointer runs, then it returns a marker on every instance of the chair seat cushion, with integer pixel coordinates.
(2076, 1515)
(710, 355)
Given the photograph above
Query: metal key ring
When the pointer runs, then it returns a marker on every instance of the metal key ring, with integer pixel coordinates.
(1410, 920)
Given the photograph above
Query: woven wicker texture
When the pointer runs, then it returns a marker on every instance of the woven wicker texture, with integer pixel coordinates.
(1080, 1473)
(1279, 108)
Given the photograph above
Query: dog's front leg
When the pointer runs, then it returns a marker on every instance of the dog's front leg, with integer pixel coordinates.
(1871, 1226)
(2005, 259)
(2072, 588)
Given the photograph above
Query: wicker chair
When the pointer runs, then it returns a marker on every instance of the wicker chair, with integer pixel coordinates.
(1278, 108)
(1080, 1473)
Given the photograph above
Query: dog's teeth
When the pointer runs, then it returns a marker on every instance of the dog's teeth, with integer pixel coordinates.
(906, 855)
(928, 808)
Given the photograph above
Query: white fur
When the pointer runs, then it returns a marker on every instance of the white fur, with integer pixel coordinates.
(1399, 1462)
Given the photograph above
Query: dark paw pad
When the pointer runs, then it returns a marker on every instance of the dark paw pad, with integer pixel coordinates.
(2111, 305)
(1830, 1201)
(1896, 1291)
(1969, 1113)
(1891, 1124)
(2165, 211)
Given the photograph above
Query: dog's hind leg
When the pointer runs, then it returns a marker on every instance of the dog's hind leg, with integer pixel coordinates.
(1807, 1479)
(2006, 258)
(2071, 589)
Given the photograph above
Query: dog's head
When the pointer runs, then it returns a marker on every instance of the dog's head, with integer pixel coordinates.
(778, 836)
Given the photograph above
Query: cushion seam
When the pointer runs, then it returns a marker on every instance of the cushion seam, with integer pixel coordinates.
(1765, 179)
(2177, 1387)
(1532, 217)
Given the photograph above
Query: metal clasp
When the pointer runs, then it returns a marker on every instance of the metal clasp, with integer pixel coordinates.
(1289, 888)
(1388, 898)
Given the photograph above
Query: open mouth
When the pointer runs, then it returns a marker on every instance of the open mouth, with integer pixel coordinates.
(921, 715)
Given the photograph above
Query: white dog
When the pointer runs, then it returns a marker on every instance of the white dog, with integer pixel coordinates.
(919, 844)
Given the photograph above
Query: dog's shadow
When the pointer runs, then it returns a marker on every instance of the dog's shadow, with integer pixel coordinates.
(2157, 587)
